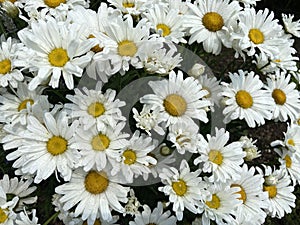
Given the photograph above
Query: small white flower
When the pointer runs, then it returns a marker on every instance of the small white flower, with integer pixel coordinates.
(292, 27)
(197, 70)
(250, 148)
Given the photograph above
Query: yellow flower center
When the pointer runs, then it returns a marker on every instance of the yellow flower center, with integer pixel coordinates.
(96, 109)
(279, 96)
(12, 1)
(288, 161)
(215, 156)
(127, 48)
(298, 121)
(244, 99)
(272, 190)
(277, 60)
(213, 21)
(57, 145)
(175, 105)
(3, 216)
(164, 28)
(96, 182)
(256, 36)
(241, 192)
(97, 222)
(100, 142)
(23, 104)
(96, 48)
(127, 4)
(58, 57)
(179, 187)
(5, 66)
(214, 203)
(54, 3)
(129, 156)
(209, 92)
(291, 142)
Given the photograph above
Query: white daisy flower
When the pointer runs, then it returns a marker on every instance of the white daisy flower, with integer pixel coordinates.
(59, 51)
(7, 214)
(20, 189)
(179, 5)
(128, 43)
(184, 188)
(46, 148)
(97, 145)
(211, 84)
(161, 60)
(132, 7)
(184, 136)
(9, 72)
(92, 195)
(252, 195)
(134, 158)
(133, 204)
(245, 99)
(257, 31)
(148, 120)
(286, 97)
(284, 60)
(157, 216)
(250, 148)
(23, 218)
(291, 139)
(290, 162)
(208, 23)
(93, 107)
(280, 191)
(220, 204)
(55, 8)
(95, 23)
(166, 23)
(15, 108)
(178, 99)
(292, 27)
(222, 160)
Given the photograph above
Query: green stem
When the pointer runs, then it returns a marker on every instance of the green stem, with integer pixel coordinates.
(53, 217)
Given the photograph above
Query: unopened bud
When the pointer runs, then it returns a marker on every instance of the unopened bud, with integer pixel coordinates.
(10, 9)
(197, 70)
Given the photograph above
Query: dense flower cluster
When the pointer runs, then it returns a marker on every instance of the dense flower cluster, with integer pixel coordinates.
(64, 111)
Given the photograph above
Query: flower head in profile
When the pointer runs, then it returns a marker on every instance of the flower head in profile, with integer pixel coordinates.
(292, 27)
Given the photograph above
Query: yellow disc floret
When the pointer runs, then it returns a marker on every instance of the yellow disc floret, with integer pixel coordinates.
(179, 187)
(214, 203)
(96, 109)
(175, 105)
(3, 216)
(215, 156)
(256, 36)
(23, 104)
(244, 99)
(288, 161)
(96, 182)
(54, 3)
(58, 57)
(164, 28)
(129, 156)
(272, 190)
(5, 66)
(57, 145)
(100, 142)
(243, 195)
(279, 96)
(127, 48)
(213, 21)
